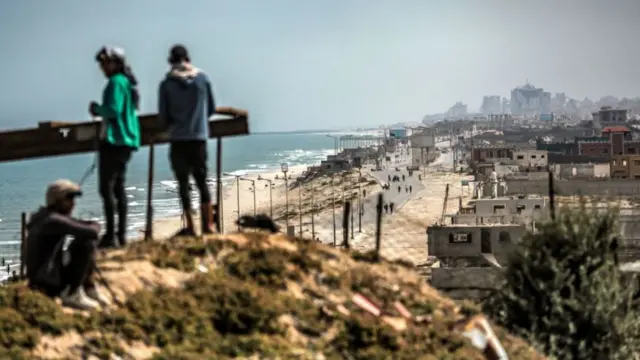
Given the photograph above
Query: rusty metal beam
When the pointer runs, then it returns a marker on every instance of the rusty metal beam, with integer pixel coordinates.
(57, 138)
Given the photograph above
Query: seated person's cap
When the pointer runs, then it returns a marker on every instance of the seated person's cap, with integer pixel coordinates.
(60, 190)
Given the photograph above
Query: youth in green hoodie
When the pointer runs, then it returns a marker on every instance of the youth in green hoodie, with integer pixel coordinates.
(118, 111)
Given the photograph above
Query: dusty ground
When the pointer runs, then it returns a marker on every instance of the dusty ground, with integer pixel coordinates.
(247, 296)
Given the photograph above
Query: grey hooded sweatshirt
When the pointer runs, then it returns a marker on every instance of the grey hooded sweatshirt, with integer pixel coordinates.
(186, 103)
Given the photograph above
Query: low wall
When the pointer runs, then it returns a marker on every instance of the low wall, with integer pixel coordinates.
(575, 187)
(466, 282)
(478, 282)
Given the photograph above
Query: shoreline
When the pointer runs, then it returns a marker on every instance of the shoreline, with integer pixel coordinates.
(314, 197)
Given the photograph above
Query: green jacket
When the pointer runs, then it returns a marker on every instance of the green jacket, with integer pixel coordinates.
(119, 113)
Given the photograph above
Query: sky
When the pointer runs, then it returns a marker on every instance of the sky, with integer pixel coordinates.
(319, 64)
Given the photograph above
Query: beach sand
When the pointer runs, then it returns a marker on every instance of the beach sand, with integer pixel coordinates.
(403, 233)
(321, 186)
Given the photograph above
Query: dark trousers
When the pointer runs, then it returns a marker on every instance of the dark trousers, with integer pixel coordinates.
(78, 272)
(189, 158)
(112, 170)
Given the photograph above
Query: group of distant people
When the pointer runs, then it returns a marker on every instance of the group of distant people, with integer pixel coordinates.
(60, 250)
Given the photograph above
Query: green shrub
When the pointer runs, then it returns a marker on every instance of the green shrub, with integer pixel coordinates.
(564, 290)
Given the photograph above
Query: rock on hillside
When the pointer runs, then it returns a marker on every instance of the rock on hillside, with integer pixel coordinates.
(252, 296)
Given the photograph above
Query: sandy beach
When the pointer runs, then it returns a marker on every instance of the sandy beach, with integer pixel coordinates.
(317, 191)
(403, 232)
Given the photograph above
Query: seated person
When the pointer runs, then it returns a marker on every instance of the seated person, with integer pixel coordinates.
(47, 230)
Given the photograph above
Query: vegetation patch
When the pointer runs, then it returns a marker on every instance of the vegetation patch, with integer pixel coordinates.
(246, 306)
(564, 290)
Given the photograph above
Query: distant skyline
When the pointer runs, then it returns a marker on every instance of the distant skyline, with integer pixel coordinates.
(299, 65)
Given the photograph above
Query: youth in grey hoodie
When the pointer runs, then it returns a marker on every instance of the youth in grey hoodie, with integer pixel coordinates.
(186, 103)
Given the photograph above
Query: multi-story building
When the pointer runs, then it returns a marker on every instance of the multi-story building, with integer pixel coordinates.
(610, 117)
(491, 105)
(625, 167)
(506, 106)
(529, 100)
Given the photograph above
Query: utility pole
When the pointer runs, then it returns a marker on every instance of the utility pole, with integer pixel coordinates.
(253, 185)
(270, 185)
(285, 167)
(237, 195)
(313, 208)
(352, 211)
(359, 200)
(333, 208)
(300, 204)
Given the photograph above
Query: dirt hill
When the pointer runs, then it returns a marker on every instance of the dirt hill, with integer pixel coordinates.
(251, 296)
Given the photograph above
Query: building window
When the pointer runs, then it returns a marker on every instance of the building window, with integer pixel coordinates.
(541, 156)
(636, 162)
(614, 162)
(520, 157)
(533, 156)
(605, 151)
(624, 162)
(520, 208)
(537, 207)
(497, 208)
(631, 150)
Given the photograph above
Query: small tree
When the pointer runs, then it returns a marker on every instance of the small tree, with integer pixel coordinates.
(564, 291)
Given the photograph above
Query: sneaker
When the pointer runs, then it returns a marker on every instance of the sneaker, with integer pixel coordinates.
(96, 295)
(79, 300)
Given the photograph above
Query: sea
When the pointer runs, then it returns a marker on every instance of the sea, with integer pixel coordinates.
(23, 183)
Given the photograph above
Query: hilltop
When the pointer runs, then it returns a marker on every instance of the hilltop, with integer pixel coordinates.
(247, 295)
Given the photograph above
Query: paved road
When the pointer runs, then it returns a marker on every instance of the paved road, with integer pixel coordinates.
(369, 203)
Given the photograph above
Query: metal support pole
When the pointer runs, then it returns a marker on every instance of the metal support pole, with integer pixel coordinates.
(23, 243)
(270, 199)
(253, 183)
(238, 199)
(333, 208)
(300, 205)
(220, 217)
(149, 226)
(360, 208)
(313, 225)
(286, 199)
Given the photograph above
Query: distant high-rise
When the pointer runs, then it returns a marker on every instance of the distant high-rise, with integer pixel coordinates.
(491, 105)
(529, 100)
(457, 110)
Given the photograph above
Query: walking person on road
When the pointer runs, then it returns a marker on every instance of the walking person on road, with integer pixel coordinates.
(391, 205)
(386, 208)
(410, 189)
(185, 105)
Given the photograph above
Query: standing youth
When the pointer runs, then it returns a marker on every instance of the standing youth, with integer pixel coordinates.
(120, 138)
(185, 105)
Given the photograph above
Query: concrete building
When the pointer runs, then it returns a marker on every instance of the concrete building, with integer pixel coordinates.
(506, 106)
(530, 159)
(471, 241)
(610, 117)
(491, 105)
(528, 100)
(625, 167)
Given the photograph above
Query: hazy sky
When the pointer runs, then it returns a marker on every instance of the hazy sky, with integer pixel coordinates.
(305, 64)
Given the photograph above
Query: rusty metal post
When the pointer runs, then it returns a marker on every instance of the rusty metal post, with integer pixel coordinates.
(219, 221)
(149, 226)
(23, 243)
(379, 223)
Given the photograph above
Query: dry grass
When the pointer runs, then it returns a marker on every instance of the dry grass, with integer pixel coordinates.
(241, 296)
